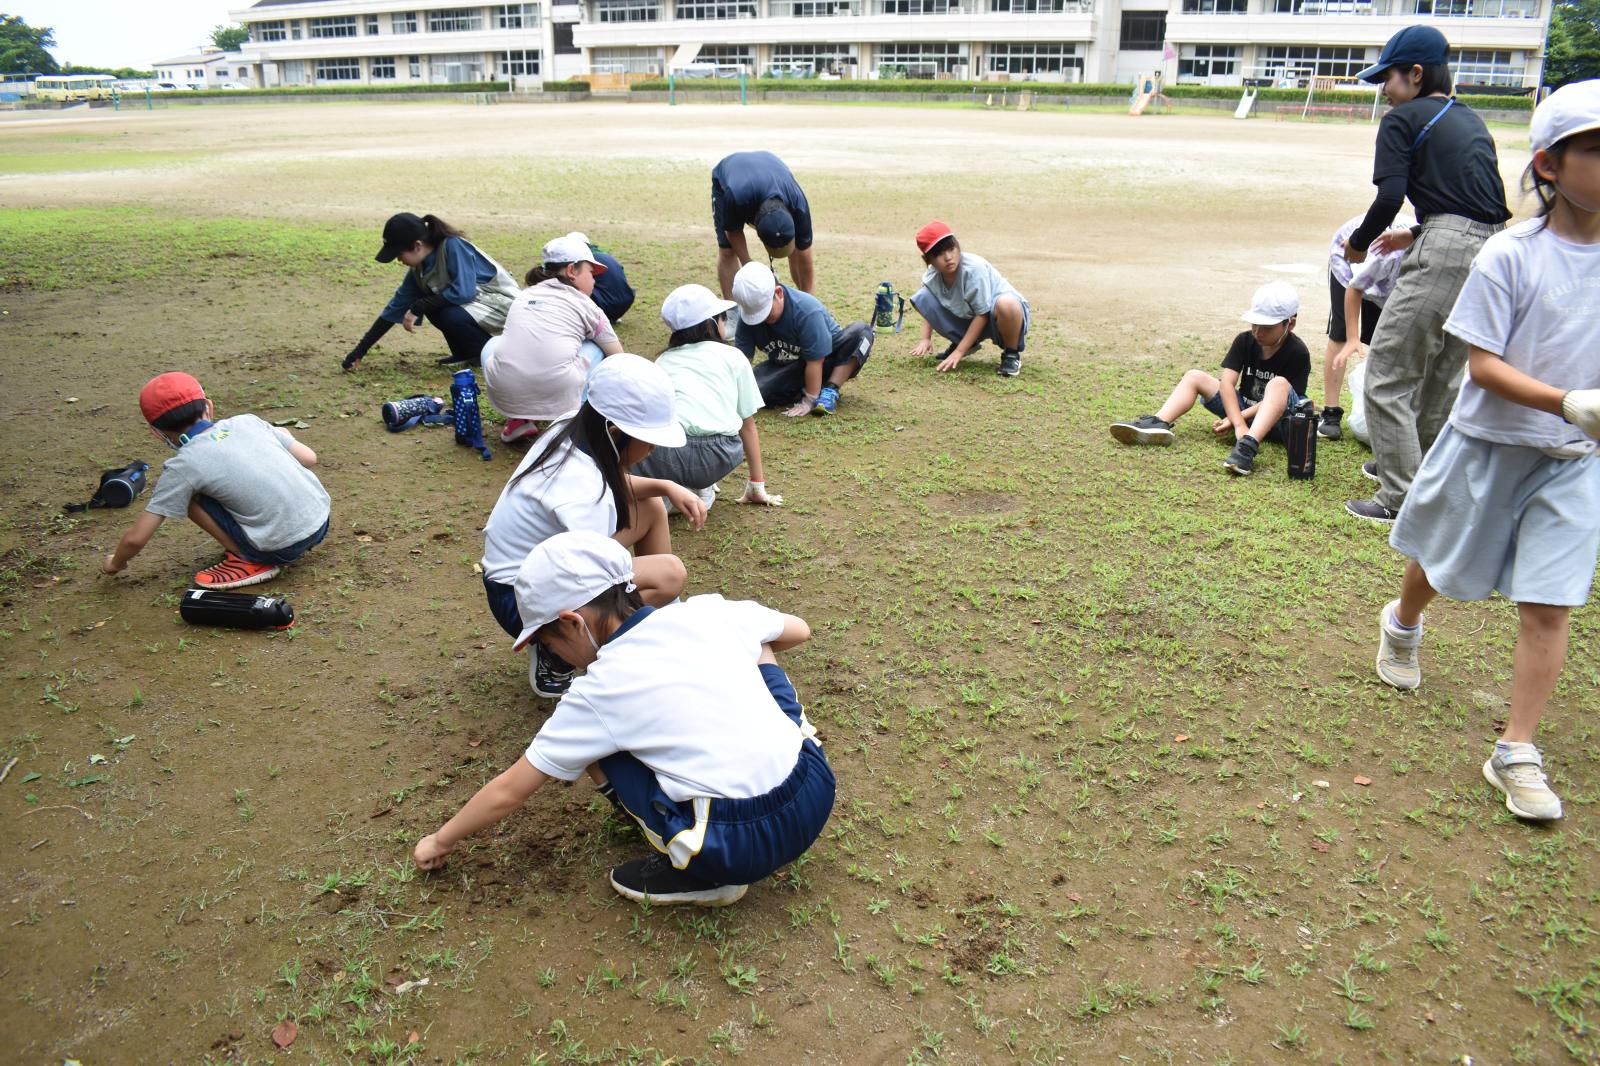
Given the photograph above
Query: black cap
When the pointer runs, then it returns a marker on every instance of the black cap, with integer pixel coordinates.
(774, 224)
(399, 233)
(1413, 45)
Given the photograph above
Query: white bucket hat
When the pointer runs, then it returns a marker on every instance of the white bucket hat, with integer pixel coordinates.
(690, 305)
(753, 287)
(636, 396)
(1274, 302)
(571, 249)
(565, 572)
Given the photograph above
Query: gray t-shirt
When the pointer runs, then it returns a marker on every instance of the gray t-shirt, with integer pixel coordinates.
(976, 287)
(245, 465)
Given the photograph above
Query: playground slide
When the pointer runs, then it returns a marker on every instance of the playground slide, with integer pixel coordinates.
(1247, 104)
(1140, 102)
(1144, 90)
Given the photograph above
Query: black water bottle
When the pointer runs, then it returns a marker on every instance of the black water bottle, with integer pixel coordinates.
(1301, 437)
(203, 607)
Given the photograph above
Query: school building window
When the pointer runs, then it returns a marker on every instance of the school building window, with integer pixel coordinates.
(713, 9)
(627, 10)
(294, 31)
(294, 72)
(455, 69)
(918, 60)
(383, 68)
(270, 31)
(1482, 67)
(403, 22)
(1311, 61)
(918, 7)
(1491, 9)
(1041, 7)
(338, 70)
(455, 20)
(1025, 58)
(626, 60)
(516, 16)
(525, 61)
(1214, 7)
(728, 55)
(414, 68)
(372, 25)
(1143, 31)
(808, 9)
(1200, 61)
(563, 40)
(343, 26)
(821, 58)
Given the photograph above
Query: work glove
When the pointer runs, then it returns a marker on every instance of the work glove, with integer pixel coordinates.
(756, 492)
(1581, 407)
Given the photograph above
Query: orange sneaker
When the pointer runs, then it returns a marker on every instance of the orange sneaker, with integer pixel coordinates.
(235, 572)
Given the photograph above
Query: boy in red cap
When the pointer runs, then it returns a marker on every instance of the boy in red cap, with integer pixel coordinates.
(245, 482)
(967, 301)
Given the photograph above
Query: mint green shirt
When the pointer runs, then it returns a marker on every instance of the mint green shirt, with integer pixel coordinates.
(715, 387)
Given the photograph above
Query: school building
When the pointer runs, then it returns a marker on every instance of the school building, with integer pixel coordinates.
(1214, 42)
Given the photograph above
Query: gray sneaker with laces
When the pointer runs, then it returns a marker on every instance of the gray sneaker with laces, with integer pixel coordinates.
(1397, 650)
(1146, 429)
(1519, 773)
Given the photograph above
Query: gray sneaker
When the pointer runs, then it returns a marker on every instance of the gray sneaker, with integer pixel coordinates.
(1010, 364)
(1519, 773)
(1146, 429)
(1397, 650)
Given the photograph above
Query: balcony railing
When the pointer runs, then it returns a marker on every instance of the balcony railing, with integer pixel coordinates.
(803, 9)
(1408, 8)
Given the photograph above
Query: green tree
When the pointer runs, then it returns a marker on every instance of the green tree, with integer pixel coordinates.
(1573, 53)
(22, 47)
(230, 38)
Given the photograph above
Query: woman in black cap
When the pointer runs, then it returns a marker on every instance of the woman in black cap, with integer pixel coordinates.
(463, 292)
(1439, 154)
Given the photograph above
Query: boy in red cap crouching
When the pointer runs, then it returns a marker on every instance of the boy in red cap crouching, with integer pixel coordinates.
(246, 483)
(967, 301)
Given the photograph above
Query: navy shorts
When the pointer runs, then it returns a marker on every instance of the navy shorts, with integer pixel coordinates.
(783, 383)
(733, 841)
(247, 548)
(503, 604)
(1214, 405)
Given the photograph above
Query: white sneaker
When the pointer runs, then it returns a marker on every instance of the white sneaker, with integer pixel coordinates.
(1397, 650)
(1519, 773)
(708, 496)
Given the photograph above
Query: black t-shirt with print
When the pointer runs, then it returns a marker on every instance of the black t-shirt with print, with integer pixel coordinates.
(1292, 361)
(1454, 171)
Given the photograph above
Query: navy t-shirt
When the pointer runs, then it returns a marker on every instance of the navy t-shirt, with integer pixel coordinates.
(744, 181)
(1292, 360)
(612, 293)
(805, 330)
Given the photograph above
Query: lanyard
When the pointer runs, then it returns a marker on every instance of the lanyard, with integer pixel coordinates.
(1423, 134)
(194, 431)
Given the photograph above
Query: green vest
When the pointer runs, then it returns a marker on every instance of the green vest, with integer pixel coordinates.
(488, 308)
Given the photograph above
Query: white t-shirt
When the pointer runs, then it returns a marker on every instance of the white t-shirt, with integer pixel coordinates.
(715, 387)
(680, 690)
(1534, 300)
(566, 493)
(535, 370)
(1376, 275)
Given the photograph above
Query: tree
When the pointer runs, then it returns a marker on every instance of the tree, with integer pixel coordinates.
(1573, 53)
(22, 47)
(230, 38)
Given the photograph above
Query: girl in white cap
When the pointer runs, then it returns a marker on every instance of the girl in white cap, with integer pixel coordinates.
(1508, 498)
(554, 335)
(684, 719)
(578, 479)
(717, 399)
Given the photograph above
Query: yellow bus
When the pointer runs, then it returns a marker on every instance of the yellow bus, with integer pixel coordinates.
(74, 86)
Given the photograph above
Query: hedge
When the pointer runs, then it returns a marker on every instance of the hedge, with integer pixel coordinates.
(910, 85)
(343, 90)
(573, 86)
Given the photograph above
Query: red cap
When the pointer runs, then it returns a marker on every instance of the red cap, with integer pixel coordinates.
(932, 234)
(164, 392)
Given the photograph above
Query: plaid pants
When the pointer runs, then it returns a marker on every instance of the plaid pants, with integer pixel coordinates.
(1414, 367)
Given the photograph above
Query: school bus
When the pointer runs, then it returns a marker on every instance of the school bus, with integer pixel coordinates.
(73, 86)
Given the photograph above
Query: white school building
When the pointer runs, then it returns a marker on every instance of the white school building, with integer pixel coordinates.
(1496, 43)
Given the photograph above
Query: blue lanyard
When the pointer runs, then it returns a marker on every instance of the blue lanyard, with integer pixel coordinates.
(194, 431)
(1423, 134)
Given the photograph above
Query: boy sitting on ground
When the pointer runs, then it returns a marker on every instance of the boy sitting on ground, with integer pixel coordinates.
(246, 483)
(1263, 377)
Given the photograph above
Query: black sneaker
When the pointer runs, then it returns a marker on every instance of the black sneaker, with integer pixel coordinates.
(1010, 364)
(1146, 429)
(550, 675)
(1242, 460)
(1329, 426)
(1371, 511)
(653, 880)
(1369, 470)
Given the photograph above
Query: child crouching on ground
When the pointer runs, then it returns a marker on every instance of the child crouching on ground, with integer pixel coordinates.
(967, 301)
(246, 483)
(1263, 377)
(683, 719)
(1508, 498)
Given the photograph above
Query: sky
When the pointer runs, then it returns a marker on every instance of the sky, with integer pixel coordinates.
(124, 33)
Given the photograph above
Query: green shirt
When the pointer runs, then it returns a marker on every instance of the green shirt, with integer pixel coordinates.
(715, 387)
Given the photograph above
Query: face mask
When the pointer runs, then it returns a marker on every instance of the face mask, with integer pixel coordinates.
(588, 633)
(611, 440)
(1574, 201)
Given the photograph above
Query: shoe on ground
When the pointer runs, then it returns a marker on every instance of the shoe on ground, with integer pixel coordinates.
(708, 495)
(1010, 364)
(234, 572)
(827, 401)
(1369, 470)
(1519, 773)
(549, 674)
(518, 428)
(1328, 428)
(1146, 429)
(1397, 650)
(654, 880)
(1241, 461)
(1371, 511)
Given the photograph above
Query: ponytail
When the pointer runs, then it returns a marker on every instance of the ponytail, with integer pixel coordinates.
(588, 430)
(438, 230)
(546, 271)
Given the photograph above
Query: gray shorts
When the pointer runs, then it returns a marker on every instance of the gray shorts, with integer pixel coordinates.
(1484, 517)
(699, 464)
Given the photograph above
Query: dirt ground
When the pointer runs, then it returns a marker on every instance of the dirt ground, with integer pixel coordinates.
(1115, 777)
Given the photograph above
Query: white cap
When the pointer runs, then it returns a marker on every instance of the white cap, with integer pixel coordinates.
(753, 287)
(636, 396)
(570, 249)
(1573, 108)
(690, 305)
(565, 572)
(1274, 302)
(584, 237)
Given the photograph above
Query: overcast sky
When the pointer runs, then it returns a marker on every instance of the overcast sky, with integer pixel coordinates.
(124, 33)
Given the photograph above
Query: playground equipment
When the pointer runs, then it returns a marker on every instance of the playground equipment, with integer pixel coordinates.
(1327, 86)
(1247, 102)
(1145, 89)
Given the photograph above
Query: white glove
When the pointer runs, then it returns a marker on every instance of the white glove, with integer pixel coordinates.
(1581, 407)
(803, 407)
(756, 492)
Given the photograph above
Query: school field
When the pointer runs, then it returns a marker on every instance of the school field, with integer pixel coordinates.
(1116, 780)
